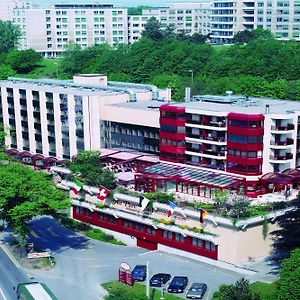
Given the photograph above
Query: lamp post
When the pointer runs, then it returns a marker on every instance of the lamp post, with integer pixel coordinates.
(192, 75)
(56, 69)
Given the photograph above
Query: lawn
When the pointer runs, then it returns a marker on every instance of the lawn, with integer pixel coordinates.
(265, 290)
(47, 68)
(120, 291)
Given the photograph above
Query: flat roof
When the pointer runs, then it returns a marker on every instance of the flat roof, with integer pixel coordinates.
(192, 174)
(151, 105)
(70, 86)
(240, 104)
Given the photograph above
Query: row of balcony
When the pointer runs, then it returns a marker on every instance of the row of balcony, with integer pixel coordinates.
(288, 141)
(283, 128)
(286, 156)
(206, 123)
(206, 138)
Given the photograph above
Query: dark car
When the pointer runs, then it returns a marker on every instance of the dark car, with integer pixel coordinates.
(159, 279)
(178, 284)
(196, 291)
(139, 273)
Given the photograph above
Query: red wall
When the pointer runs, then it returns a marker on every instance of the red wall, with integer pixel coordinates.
(145, 239)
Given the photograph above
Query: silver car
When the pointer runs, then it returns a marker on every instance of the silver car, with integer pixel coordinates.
(196, 291)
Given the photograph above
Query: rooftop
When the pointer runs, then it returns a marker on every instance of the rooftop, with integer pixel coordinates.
(241, 104)
(79, 88)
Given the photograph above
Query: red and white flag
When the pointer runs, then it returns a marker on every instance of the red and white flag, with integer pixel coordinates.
(103, 193)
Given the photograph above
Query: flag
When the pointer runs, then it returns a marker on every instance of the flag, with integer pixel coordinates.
(103, 193)
(203, 213)
(78, 186)
(143, 202)
(171, 209)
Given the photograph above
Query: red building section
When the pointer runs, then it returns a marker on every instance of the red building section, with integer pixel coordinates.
(147, 236)
(172, 133)
(245, 147)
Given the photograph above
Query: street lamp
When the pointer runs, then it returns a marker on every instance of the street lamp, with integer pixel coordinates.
(56, 69)
(192, 74)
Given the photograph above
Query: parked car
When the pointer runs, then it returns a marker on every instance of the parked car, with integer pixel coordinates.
(139, 273)
(159, 279)
(196, 291)
(178, 284)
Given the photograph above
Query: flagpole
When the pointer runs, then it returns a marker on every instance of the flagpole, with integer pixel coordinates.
(147, 281)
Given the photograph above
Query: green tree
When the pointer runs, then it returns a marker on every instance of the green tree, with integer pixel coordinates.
(10, 35)
(153, 30)
(133, 11)
(23, 61)
(238, 291)
(6, 71)
(25, 193)
(240, 206)
(86, 168)
(242, 37)
(220, 197)
(287, 237)
(173, 82)
(288, 286)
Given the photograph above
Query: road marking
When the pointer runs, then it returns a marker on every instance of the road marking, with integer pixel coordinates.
(52, 232)
(14, 261)
(148, 252)
(2, 294)
(34, 234)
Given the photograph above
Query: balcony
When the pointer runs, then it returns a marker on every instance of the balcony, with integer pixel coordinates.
(283, 128)
(281, 157)
(288, 141)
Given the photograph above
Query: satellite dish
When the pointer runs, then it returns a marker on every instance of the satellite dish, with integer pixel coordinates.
(125, 266)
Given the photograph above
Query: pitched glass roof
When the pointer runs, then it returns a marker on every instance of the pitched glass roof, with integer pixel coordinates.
(195, 175)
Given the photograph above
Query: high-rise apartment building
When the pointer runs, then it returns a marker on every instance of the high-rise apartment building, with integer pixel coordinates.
(282, 18)
(49, 29)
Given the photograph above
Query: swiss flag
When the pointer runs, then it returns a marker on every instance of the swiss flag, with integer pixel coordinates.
(103, 193)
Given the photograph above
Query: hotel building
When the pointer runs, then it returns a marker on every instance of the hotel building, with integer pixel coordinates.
(242, 138)
(59, 118)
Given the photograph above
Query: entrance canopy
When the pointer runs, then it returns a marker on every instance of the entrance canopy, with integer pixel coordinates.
(277, 178)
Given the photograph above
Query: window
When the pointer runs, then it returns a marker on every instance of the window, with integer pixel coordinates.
(151, 230)
(139, 227)
(168, 234)
(179, 237)
(79, 210)
(128, 224)
(101, 216)
(197, 242)
(210, 246)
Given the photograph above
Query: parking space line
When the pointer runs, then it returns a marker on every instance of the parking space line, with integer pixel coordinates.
(3, 294)
(152, 251)
(34, 234)
(52, 232)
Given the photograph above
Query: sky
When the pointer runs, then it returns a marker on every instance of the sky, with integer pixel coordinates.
(128, 3)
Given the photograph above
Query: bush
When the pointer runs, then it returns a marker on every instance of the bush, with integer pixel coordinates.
(160, 197)
(97, 234)
(206, 206)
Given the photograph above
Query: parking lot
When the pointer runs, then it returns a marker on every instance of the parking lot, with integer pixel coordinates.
(83, 264)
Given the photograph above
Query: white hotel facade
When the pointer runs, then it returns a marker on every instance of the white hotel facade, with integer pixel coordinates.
(59, 118)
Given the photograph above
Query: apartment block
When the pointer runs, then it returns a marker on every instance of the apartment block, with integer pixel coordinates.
(282, 18)
(49, 29)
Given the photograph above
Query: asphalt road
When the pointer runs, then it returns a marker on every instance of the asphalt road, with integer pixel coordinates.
(11, 274)
(83, 264)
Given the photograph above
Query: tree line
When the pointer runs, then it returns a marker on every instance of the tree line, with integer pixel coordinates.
(256, 65)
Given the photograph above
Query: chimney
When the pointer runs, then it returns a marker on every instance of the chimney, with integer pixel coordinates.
(187, 94)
